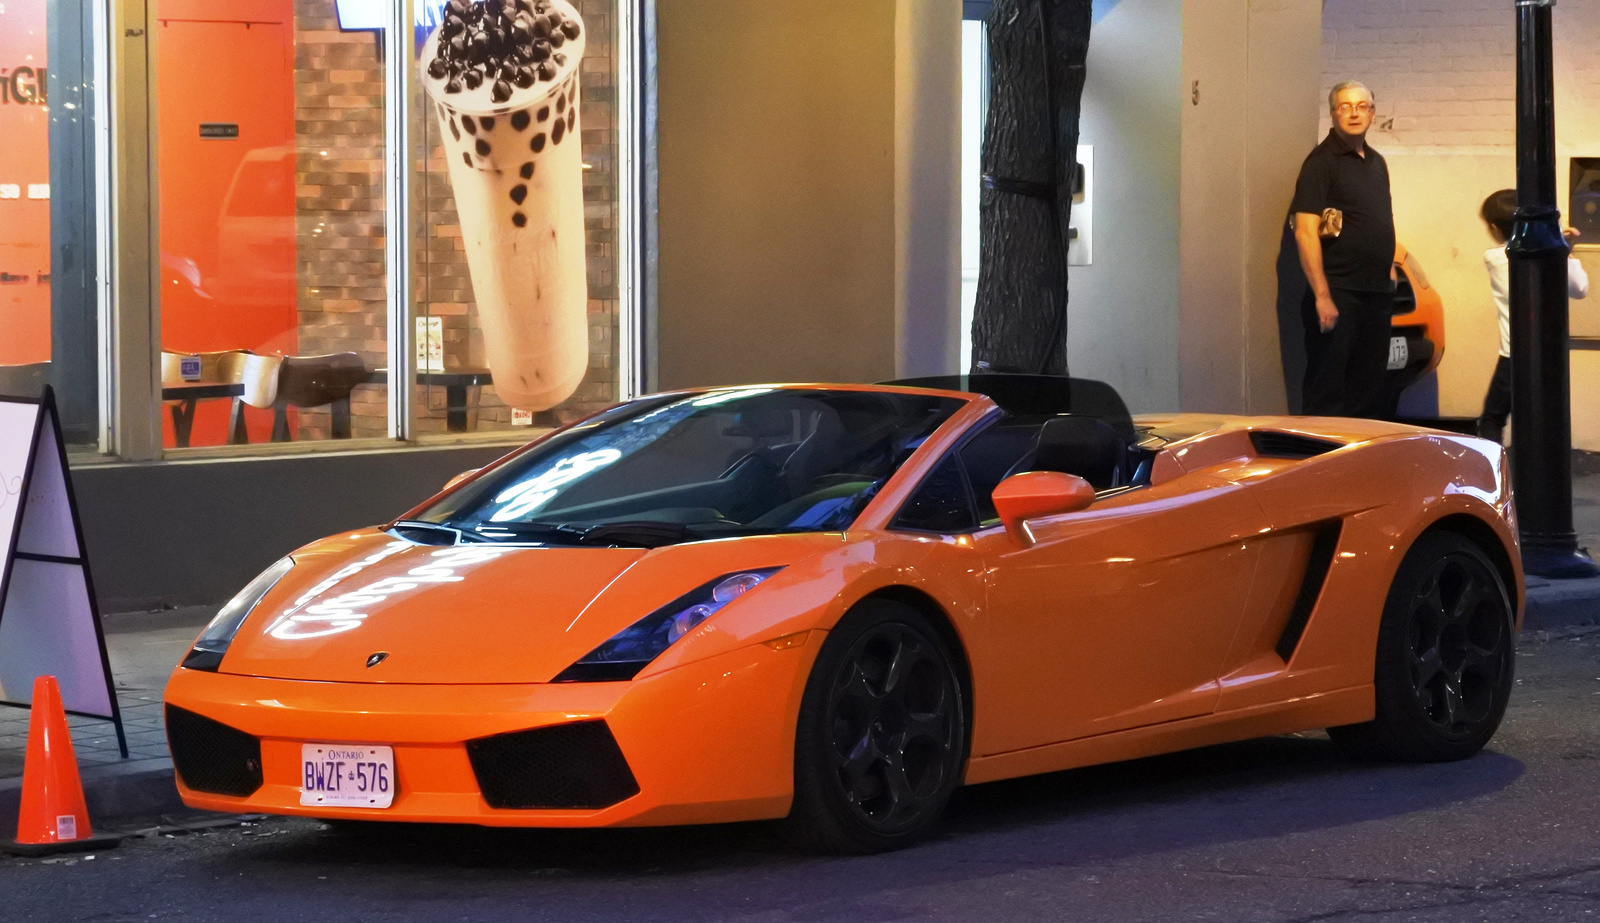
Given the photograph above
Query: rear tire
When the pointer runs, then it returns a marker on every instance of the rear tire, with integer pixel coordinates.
(1446, 648)
(882, 737)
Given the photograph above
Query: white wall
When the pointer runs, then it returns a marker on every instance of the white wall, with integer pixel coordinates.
(1444, 74)
(1122, 316)
(1250, 86)
(927, 188)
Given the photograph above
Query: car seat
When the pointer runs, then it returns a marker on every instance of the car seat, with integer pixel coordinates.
(1084, 446)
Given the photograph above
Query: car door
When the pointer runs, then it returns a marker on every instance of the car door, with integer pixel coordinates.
(1114, 617)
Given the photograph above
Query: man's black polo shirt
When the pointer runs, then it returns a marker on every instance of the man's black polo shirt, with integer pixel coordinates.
(1335, 176)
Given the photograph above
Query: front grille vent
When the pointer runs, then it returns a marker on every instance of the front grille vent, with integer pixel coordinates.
(563, 766)
(212, 757)
(1289, 445)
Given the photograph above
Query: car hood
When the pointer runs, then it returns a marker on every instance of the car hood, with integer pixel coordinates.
(464, 614)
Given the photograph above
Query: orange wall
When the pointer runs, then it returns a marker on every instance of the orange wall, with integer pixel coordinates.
(227, 205)
(24, 162)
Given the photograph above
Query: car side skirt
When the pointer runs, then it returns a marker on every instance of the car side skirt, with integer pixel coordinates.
(1329, 709)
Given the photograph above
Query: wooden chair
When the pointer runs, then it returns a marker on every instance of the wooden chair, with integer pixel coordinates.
(259, 375)
(24, 380)
(312, 381)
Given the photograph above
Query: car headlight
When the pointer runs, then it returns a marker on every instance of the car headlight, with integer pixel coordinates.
(214, 641)
(631, 649)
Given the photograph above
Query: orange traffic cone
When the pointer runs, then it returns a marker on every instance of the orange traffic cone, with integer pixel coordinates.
(52, 816)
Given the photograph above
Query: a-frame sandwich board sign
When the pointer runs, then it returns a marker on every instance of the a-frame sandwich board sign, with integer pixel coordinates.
(49, 619)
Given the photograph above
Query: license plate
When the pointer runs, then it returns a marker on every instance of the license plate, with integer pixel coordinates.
(346, 775)
(1399, 353)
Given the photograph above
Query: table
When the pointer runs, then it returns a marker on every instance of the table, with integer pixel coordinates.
(459, 398)
(191, 392)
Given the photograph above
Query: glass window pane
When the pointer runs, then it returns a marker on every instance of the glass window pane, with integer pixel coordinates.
(47, 199)
(942, 502)
(995, 454)
(270, 139)
(515, 194)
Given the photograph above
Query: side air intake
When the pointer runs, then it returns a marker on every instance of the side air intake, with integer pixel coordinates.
(1323, 544)
(1289, 445)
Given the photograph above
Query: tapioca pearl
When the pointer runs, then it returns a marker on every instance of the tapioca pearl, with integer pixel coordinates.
(547, 70)
(527, 170)
(443, 113)
(518, 193)
(544, 113)
(483, 148)
(487, 122)
(570, 28)
(526, 76)
(561, 104)
(537, 144)
(519, 219)
(500, 92)
(454, 131)
(519, 120)
(560, 58)
(557, 132)
(572, 119)
(467, 157)
(469, 124)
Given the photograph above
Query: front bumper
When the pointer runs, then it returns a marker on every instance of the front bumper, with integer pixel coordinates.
(708, 742)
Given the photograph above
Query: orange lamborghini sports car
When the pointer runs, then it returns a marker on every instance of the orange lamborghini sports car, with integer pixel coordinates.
(833, 604)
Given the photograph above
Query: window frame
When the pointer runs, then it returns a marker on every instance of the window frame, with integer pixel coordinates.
(126, 205)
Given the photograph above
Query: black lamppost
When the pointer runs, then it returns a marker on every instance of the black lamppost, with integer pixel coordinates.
(1541, 420)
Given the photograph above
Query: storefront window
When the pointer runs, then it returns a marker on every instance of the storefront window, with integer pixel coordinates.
(48, 265)
(515, 196)
(269, 125)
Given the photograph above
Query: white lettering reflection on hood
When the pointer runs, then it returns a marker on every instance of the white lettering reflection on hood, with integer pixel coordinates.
(347, 610)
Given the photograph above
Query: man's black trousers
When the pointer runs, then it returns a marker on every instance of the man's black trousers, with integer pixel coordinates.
(1347, 367)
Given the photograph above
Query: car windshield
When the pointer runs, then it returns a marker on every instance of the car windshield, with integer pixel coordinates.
(687, 467)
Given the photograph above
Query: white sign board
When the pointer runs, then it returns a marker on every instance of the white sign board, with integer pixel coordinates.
(49, 622)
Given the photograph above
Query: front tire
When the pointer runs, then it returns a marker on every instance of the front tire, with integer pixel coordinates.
(1446, 648)
(882, 736)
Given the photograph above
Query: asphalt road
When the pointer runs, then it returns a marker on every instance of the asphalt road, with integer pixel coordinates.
(1277, 829)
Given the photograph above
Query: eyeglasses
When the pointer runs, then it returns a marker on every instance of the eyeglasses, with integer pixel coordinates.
(1347, 108)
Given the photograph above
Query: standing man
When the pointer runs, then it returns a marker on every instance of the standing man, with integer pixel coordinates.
(1344, 231)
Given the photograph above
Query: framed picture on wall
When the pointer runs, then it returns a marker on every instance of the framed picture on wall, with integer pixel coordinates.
(1583, 208)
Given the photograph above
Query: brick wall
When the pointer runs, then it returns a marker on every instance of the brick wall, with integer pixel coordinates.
(338, 91)
(341, 227)
(1444, 72)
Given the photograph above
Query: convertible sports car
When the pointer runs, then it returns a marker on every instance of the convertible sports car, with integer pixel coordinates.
(833, 604)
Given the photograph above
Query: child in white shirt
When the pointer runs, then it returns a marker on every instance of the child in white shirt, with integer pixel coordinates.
(1497, 213)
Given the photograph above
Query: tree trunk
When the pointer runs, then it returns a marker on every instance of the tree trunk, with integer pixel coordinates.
(1037, 50)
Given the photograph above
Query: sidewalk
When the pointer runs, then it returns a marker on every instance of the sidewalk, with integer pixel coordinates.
(144, 647)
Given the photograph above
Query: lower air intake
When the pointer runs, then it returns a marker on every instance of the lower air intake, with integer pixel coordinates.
(563, 766)
(212, 757)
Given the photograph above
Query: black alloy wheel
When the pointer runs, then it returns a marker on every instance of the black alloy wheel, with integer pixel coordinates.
(1445, 657)
(882, 736)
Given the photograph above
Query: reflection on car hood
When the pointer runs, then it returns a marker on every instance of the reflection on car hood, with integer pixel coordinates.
(466, 613)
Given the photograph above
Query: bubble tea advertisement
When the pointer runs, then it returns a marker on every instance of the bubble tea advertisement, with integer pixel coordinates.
(502, 77)
(24, 184)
